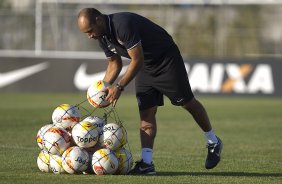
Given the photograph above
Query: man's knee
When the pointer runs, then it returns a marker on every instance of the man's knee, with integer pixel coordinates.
(148, 114)
(148, 121)
(190, 105)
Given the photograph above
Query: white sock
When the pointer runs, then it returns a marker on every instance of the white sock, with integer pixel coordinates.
(147, 155)
(211, 138)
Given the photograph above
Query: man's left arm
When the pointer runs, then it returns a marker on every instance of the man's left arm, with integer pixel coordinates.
(137, 60)
(136, 63)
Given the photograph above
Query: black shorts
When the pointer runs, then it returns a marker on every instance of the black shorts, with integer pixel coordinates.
(167, 77)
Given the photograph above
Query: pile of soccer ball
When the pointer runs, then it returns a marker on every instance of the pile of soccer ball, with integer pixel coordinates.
(69, 145)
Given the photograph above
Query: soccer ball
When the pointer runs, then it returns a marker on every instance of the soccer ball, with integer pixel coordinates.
(114, 136)
(125, 161)
(75, 160)
(40, 134)
(56, 140)
(95, 95)
(104, 162)
(97, 121)
(43, 161)
(66, 116)
(85, 134)
(56, 164)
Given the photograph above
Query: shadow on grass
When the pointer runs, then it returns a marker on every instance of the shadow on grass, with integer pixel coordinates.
(245, 174)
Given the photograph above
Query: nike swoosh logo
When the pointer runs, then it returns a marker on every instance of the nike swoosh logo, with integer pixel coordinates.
(82, 80)
(179, 100)
(144, 169)
(19, 74)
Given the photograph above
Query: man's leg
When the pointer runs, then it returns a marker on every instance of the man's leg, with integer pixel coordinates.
(148, 130)
(148, 127)
(199, 114)
(215, 145)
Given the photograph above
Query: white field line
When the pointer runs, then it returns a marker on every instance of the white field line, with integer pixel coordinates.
(52, 54)
(56, 54)
(18, 147)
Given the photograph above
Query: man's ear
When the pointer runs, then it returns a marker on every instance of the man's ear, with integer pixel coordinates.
(99, 20)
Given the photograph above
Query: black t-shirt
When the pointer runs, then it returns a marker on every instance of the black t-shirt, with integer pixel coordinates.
(125, 30)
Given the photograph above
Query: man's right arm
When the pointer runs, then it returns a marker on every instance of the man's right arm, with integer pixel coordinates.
(113, 69)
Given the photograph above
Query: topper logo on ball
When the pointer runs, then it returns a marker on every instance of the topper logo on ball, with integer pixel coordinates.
(85, 139)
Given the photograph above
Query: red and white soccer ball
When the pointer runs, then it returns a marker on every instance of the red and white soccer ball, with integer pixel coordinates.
(97, 121)
(66, 116)
(95, 95)
(56, 140)
(85, 134)
(56, 164)
(40, 134)
(114, 136)
(104, 162)
(125, 161)
(75, 160)
(43, 161)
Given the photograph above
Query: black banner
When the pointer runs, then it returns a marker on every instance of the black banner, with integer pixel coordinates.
(218, 77)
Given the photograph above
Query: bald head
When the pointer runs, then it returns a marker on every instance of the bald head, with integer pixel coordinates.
(87, 17)
(91, 21)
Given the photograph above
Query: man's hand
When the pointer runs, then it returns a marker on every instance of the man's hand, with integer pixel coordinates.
(113, 94)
